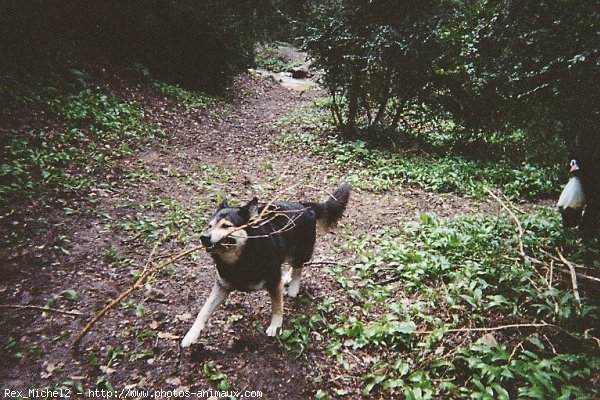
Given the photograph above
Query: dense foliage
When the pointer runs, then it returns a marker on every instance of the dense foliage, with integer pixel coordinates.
(196, 43)
(525, 63)
(381, 168)
(377, 56)
(98, 128)
(495, 64)
(417, 295)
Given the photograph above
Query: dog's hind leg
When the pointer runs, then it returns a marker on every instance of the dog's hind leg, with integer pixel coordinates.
(217, 295)
(277, 305)
(294, 281)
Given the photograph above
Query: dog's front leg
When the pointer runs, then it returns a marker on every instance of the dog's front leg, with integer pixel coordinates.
(277, 305)
(217, 295)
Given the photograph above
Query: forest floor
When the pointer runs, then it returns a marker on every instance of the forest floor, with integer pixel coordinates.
(75, 251)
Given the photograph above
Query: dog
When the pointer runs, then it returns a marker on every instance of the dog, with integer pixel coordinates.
(249, 244)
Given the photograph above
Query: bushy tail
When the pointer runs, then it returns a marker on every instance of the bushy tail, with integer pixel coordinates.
(330, 211)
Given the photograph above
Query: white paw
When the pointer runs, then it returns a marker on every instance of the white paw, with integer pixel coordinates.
(272, 330)
(294, 288)
(287, 278)
(190, 338)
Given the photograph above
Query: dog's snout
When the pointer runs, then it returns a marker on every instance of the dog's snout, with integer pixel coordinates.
(205, 239)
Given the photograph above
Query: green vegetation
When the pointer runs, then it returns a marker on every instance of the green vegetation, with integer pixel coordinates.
(411, 286)
(270, 57)
(461, 97)
(189, 98)
(525, 64)
(98, 129)
(165, 219)
(212, 372)
(495, 65)
(381, 169)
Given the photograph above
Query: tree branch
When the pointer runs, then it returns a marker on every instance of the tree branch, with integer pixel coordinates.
(32, 307)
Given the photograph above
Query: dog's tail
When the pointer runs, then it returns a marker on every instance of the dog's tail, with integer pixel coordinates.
(330, 211)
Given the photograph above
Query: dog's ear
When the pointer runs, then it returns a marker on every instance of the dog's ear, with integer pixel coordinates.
(223, 204)
(250, 210)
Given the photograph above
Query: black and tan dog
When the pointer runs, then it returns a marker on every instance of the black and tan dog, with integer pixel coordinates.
(249, 245)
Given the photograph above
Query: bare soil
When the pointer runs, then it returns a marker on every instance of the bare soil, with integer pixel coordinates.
(47, 252)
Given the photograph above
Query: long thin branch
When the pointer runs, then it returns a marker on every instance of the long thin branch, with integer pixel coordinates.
(514, 207)
(32, 307)
(573, 278)
(561, 258)
(494, 328)
(575, 266)
(514, 217)
(579, 275)
(140, 282)
(320, 262)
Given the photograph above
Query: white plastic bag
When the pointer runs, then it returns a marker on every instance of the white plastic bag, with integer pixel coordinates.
(572, 195)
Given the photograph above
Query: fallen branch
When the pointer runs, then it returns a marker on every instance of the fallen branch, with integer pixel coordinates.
(388, 281)
(514, 207)
(317, 262)
(561, 258)
(31, 307)
(514, 217)
(140, 282)
(134, 237)
(575, 267)
(494, 328)
(549, 281)
(591, 278)
(573, 278)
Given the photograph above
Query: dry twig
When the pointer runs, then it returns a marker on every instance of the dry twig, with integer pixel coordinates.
(494, 328)
(514, 217)
(575, 267)
(140, 282)
(573, 278)
(32, 307)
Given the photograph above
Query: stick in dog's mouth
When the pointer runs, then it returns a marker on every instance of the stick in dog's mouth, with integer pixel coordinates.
(227, 241)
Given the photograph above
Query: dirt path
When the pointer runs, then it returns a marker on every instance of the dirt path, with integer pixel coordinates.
(231, 150)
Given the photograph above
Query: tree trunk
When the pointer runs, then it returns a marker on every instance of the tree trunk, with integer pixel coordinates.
(367, 106)
(335, 109)
(397, 116)
(352, 106)
(385, 97)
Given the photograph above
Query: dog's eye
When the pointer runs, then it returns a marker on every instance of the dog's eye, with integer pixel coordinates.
(227, 225)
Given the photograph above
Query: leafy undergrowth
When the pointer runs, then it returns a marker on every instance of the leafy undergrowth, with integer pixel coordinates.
(91, 129)
(188, 98)
(417, 304)
(272, 58)
(380, 169)
(94, 129)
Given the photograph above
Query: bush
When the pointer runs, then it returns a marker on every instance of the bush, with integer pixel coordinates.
(377, 57)
(200, 44)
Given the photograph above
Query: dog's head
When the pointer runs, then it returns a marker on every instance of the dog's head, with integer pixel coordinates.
(225, 234)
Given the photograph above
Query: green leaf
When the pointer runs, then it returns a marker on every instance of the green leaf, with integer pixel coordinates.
(71, 294)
